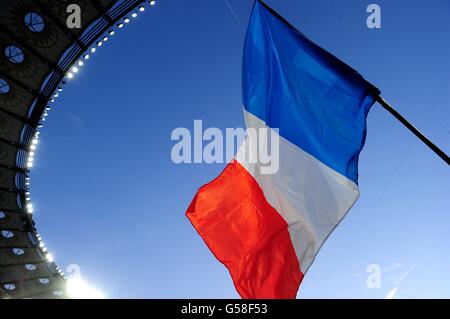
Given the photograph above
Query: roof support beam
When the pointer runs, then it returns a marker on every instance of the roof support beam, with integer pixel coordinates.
(23, 230)
(21, 247)
(33, 262)
(15, 168)
(21, 84)
(22, 119)
(15, 144)
(30, 279)
(101, 9)
(13, 190)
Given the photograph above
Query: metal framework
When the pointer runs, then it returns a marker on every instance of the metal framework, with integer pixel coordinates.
(36, 57)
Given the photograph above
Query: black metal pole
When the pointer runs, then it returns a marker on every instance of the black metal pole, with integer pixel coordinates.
(411, 127)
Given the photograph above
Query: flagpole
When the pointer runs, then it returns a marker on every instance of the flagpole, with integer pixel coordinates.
(411, 127)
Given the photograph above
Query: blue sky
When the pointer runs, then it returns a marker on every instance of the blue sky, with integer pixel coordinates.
(108, 197)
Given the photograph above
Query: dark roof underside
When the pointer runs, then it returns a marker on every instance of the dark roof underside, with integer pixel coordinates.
(36, 51)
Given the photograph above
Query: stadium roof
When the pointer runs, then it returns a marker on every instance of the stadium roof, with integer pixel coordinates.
(38, 54)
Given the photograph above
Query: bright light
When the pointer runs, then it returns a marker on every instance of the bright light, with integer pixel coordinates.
(141, 8)
(41, 244)
(126, 20)
(93, 50)
(105, 39)
(80, 63)
(86, 56)
(31, 154)
(112, 32)
(120, 25)
(34, 141)
(49, 257)
(75, 69)
(69, 75)
(152, 3)
(33, 147)
(77, 288)
(99, 43)
(29, 165)
(134, 15)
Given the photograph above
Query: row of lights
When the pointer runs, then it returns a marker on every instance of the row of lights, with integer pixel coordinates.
(35, 140)
(44, 249)
(75, 69)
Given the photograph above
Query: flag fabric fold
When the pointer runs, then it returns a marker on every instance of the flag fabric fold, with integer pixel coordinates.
(267, 228)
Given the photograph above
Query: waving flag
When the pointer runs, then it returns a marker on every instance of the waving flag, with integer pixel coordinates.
(267, 228)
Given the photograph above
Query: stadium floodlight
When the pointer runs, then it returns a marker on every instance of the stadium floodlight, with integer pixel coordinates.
(49, 257)
(77, 288)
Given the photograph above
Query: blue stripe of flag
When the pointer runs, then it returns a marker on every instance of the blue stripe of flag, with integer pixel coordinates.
(315, 100)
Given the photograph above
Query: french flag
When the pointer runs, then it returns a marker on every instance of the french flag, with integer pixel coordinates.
(268, 228)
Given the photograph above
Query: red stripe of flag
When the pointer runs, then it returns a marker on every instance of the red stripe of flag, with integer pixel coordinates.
(246, 234)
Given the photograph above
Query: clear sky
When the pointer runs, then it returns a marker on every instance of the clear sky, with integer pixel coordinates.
(108, 197)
